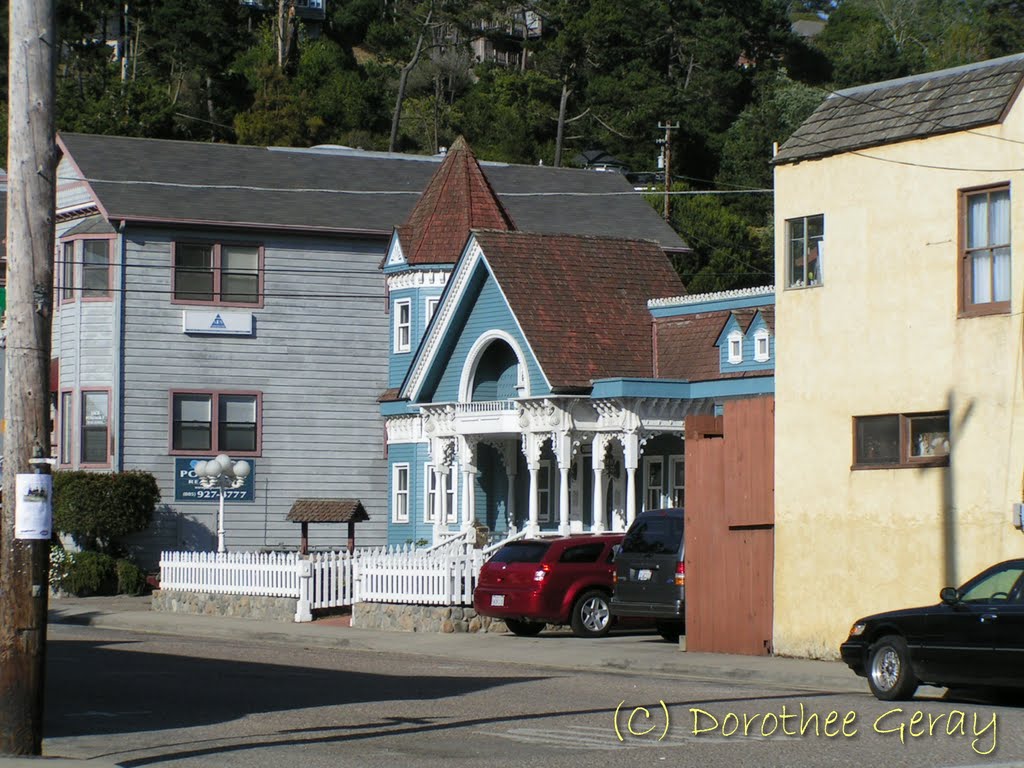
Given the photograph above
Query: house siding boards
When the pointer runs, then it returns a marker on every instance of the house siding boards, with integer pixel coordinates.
(316, 362)
(488, 311)
(882, 335)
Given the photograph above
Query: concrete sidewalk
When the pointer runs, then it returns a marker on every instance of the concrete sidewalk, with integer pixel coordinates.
(629, 652)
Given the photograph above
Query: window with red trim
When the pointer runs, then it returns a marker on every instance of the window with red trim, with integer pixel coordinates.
(215, 422)
(215, 273)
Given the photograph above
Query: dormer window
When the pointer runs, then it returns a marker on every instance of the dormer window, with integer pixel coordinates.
(735, 347)
(762, 350)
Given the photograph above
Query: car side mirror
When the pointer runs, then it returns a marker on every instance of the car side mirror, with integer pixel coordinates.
(949, 595)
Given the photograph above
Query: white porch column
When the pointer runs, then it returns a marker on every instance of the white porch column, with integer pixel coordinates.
(562, 446)
(533, 525)
(467, 458)
(598, 523)
(439, 503)
(563, 499)
(631, 450)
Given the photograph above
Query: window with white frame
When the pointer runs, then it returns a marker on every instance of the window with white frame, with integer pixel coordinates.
(735, 342)
(544, 492)
(806, 240)
(654, 482)
(403, 325)
(400, 493)
(677, 476)
(762, 350)
(429, 309)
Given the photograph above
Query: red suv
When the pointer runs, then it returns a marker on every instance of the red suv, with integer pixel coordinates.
(533, 582)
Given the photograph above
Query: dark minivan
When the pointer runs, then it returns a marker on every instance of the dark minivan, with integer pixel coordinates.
(650, 574)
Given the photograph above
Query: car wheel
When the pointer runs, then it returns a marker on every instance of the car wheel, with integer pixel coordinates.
(524, 628)
(669, 630)
(890, 674)
(591, 614)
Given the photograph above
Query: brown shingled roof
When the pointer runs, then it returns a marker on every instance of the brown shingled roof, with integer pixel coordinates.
(582, 301)
(686, 344)
(458, 199)
(327, 511)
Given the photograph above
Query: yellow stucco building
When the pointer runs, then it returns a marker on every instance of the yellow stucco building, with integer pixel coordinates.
(899, 412)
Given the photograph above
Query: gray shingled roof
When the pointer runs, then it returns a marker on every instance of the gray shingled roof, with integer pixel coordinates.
(946, 101)
(222, 184)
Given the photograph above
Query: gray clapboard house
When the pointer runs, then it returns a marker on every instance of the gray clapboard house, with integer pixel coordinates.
(226, 299)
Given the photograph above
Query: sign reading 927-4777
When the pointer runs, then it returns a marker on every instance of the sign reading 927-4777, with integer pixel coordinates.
(187, 485)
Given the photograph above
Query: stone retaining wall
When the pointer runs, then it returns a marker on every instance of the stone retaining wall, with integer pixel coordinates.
(422, 618)
(237, 606)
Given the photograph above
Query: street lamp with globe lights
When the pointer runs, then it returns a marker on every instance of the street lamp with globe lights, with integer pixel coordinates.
(222, 473)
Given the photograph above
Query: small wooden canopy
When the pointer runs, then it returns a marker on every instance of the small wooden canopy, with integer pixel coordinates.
(308, 511)
(327, 511)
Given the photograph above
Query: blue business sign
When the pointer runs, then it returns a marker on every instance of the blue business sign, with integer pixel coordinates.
(187, 486)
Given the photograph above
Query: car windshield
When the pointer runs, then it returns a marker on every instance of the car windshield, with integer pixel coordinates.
(995, 586)
(654, 535)
(521, 552)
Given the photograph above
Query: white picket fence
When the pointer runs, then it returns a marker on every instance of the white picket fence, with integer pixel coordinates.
(331, 579)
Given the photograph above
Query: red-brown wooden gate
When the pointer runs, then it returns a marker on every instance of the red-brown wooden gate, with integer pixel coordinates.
(729, 531)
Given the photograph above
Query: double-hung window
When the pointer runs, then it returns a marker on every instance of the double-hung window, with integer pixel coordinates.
(806, 245)
(67, 428)
(95, 428)
(654, 482)
(215, 273)
(735, 341)
(897, 440)
(88, 260)
(403, 325)
(985, 251)
(400, 493)
(214, 422)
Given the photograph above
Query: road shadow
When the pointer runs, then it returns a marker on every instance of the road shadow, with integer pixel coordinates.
(102, 687)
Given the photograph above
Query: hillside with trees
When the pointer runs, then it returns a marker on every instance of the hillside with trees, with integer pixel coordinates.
(735, 75)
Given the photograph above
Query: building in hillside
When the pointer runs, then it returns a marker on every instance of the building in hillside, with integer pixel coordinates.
(899, 412)
(227, 299)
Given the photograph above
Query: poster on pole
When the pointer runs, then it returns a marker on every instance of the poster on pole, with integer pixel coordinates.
(33, 506)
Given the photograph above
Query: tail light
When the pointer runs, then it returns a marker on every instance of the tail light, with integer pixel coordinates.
(615, 577)
(681, 574)
(539, 575)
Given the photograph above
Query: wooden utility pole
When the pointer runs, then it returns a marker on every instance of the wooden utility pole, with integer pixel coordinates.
(31, 200)
(668, 127)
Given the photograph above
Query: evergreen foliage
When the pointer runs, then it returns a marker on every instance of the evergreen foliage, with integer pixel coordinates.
(97, 508)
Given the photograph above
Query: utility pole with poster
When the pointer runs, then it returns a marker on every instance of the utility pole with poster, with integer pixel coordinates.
(25, 522)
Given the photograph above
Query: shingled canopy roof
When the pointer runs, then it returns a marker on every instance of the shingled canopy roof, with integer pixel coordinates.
(327, 511)
(582, 301)
(916, 107)
(338, 190)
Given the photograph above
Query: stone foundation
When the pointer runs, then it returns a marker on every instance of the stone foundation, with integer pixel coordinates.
(422, 618)
(236, 606)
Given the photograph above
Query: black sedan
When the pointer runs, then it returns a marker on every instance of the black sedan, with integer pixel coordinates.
(974, 637)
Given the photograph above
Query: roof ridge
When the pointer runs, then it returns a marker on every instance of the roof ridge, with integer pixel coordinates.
(926, 76)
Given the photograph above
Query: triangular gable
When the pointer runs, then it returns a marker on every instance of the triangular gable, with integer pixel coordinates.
(736, 321)
(395, 256)
(449, 334)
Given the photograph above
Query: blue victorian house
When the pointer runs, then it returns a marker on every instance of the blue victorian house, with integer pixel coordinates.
(542, 367)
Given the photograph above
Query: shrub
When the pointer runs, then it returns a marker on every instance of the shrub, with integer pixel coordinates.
(130, 578)
(96, 508)
(88, 573)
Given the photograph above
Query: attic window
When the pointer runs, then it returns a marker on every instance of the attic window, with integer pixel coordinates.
(736, 347)
(762, 351)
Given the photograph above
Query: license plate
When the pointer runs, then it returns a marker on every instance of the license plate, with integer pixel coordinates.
(497, 600)
(644, 574)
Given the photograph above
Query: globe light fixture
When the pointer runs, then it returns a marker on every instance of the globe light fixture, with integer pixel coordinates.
(223, 474)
